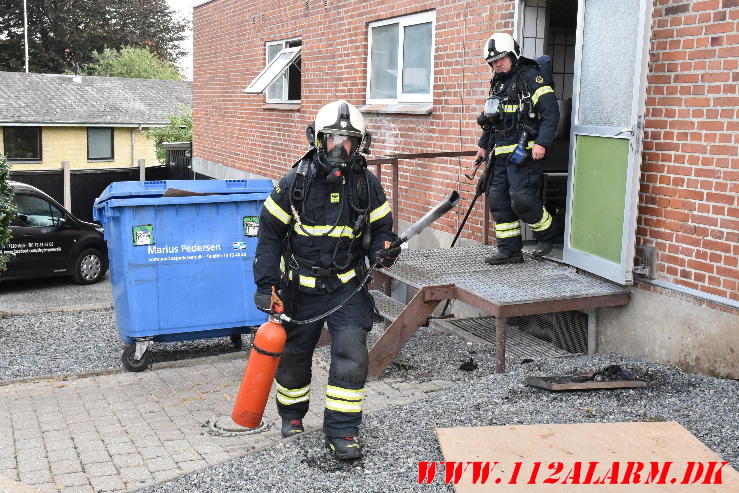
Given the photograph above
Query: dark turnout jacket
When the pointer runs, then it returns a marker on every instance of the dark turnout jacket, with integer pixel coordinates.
(524, 77)
(324, 251)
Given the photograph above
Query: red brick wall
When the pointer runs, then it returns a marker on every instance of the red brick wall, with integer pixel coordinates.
(232, 128)
(688, 200)
(689, 205)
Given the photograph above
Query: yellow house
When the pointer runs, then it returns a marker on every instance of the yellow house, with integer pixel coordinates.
(92, 122)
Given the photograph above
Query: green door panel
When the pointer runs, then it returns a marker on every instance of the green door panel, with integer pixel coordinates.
(599, 196)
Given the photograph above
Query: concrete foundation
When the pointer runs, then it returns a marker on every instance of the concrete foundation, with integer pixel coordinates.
(669, 329)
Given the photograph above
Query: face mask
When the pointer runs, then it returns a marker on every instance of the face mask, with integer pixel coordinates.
(338, 150)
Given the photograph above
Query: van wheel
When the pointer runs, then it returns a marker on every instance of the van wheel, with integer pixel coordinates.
(130, 363)
(89, 267)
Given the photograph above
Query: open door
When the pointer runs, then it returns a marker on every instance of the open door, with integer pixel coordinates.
(609, 91)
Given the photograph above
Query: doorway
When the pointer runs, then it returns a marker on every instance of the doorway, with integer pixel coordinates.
(549, 27)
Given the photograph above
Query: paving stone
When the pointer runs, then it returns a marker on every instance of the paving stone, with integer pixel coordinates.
(127, 460)
(9, 473)
(133, 474)
(101, 469)
(122, 448)
(153, 452)
(159, 464)
(162, 476)
(216, 458)
(185, 456)
(35, 477)
(94, 456)
(72, 479)
(79, 489)
(30, 443)
(62, 454)
(192, 465)
(37, 464)
(65, 466)
(106, 483)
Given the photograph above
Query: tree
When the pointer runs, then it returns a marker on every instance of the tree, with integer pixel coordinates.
(178, 130)
(7, 209)
(64, 34)
(139, 63)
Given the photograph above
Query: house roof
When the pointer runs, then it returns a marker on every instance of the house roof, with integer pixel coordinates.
(79, 100)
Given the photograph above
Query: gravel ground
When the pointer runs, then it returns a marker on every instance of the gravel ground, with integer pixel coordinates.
(397, 438)
(62, 343)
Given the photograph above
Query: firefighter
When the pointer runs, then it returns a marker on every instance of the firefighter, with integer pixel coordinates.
(518, 131)
(316, 228)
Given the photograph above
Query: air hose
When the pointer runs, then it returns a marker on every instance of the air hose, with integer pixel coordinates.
(431, 216)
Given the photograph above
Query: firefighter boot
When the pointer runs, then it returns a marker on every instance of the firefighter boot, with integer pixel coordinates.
(291, 427)
(505, 258)
(344, 448)
(542, 248)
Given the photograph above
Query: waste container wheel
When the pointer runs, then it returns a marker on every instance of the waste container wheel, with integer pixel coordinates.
(130, 363)
(236, 341)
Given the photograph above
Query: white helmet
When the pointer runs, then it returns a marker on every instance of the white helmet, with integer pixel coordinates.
(499, 45)
(340, 122)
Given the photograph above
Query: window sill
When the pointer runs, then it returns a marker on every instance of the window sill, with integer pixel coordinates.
(399, 108)
(106, 160)
(281, 106)
(25, 161)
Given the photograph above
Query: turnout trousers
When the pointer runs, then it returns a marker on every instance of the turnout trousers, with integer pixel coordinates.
(348, 327)
(514, 197)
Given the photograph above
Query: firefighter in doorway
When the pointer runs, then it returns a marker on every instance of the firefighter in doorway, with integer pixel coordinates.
(519, 123)
(317, 227)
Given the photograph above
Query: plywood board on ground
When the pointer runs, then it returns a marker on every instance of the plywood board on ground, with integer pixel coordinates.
(566, 383)
(603, 450)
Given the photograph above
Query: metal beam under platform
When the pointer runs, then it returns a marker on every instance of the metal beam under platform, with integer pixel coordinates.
(533, 287)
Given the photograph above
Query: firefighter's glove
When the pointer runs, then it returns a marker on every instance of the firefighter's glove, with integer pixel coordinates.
(387, 256)
(268, 302)
(263, 301)
(483, 182)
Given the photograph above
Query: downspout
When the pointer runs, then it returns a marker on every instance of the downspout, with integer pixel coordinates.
(133, 144)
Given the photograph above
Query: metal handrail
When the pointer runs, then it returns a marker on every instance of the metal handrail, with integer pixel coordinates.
(393, 159)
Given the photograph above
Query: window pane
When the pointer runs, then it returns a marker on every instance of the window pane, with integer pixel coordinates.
(417, 59)
(22, 142)
(384, 59)
(37, 212)
(607, 75)
(99, 143)
(275, 90)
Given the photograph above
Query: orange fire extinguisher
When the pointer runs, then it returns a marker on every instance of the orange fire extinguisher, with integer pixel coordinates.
(260, 371)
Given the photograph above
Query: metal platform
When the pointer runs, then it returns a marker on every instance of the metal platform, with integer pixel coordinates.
(534, 287)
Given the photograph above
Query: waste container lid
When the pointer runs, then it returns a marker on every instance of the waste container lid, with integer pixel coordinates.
(140, 189)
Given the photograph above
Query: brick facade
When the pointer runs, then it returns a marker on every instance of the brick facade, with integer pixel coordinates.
(689, 205)
(688, 198)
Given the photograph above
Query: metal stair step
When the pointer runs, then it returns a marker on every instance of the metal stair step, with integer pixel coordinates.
(388, 307)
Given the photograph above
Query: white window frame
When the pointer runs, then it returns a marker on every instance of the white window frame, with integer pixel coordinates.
(261, 85)
(403, 22)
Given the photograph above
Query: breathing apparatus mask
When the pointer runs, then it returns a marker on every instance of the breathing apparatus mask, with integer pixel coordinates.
(340, 137)
(490, 112)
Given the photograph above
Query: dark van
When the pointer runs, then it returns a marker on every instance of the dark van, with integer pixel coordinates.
(47, 240)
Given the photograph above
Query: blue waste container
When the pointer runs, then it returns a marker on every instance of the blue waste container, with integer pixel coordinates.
(181, 254)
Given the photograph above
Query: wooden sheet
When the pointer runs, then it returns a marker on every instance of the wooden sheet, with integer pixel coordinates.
(606, 443)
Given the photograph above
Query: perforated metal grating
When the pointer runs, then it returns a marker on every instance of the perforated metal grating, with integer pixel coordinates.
(519, 344)
(531, 281)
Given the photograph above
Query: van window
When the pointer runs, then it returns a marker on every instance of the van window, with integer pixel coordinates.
(36, 212)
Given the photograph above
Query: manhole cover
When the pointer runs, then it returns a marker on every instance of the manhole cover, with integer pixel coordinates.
(226, 427)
